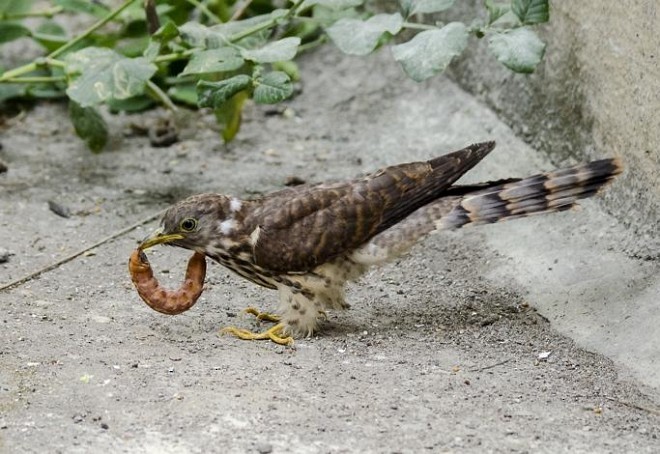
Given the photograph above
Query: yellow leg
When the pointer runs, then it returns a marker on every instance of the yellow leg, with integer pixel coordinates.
(275, 334)
(265, 316)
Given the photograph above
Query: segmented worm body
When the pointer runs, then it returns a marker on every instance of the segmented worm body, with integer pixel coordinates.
(169, 302)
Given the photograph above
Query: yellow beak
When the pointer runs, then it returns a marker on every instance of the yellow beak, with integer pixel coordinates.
(157, 237)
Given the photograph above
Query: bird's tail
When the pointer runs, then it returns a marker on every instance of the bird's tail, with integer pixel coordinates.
(491, 202)
(547, 192)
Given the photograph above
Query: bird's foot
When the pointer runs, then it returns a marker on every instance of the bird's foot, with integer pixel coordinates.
(265, 316)
(275, 334)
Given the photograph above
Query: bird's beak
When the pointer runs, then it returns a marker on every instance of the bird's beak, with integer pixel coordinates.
(157, 237)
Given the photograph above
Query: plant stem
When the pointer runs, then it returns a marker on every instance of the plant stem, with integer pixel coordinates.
(313, 44)
(249, 31)
(50, 58)
(91, 29)
(174, 56)
(266, 24)
(18, 71)
(207, 12)
(36, 80)
(419, 26)
(53, 62)
(161, 95)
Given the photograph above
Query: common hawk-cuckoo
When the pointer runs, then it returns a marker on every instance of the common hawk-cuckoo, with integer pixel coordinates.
(307, 241)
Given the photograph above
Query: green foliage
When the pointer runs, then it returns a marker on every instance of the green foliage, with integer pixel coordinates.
(272, 88)
(83, 6)
(89, 125)
(531, 12)
(9, 31)
(281, 50)
(212, 61)
(519, 49)
(410, 7)
(358, 37)
(234, 51)
(214, 94)
(97, 75)
(431, 51)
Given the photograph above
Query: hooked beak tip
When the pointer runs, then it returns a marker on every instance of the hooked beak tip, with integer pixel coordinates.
(157, 237)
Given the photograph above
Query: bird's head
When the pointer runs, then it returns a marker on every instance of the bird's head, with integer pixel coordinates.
(190, 224)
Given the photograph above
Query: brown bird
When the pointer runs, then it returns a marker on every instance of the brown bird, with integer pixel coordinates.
(306, 242)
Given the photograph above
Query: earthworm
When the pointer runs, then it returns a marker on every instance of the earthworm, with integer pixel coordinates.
(160, 299)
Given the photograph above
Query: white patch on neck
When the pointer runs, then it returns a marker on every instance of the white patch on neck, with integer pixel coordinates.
(227, 226)
(254, 236)
(235, 205)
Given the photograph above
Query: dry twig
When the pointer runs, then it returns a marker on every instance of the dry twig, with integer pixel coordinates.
(489, 367)
(68, 258)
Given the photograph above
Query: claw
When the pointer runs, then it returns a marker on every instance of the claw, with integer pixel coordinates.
(275, 334)
(265, 316)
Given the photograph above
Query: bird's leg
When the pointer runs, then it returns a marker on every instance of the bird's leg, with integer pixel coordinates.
(275, 334)
(262, 315)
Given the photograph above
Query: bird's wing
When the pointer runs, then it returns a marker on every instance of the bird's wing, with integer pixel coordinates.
(301, 228)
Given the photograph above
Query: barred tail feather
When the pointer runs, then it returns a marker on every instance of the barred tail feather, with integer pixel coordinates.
(553, 191)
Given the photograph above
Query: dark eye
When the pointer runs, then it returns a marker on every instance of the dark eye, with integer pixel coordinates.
(188, 225)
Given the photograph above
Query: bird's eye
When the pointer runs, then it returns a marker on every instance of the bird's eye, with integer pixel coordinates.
(188, 225)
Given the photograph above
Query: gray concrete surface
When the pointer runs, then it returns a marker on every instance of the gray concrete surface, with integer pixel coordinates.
(439, 352)
(596, 93)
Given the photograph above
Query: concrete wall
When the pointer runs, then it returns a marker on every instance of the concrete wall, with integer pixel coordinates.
(596, 94)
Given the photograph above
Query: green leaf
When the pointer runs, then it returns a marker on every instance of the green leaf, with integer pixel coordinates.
(495, 10)
(221, 34)
(198, 35)
(50, 35)
(214, 61)
(15, 6)
(152, 51)
(531, 11)
(89, 126)
(134, 104)
(84, 6)
(104, 74)
(519, 49)
(10, 91)
(281, 50)
(325, 17)
(356, 37)
(214, 94)
(335, 5)
(431, 51)
(184, 93)
(410, 7)
(166, 32)
(158, 40)
(194, 34)
(43, 92)
(229, 115)
(289, 67)
(272, 88)
(9, 31)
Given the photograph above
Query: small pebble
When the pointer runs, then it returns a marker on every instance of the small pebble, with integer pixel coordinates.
(293, 180)
(264, 448)
(4, 255)
(59, 209)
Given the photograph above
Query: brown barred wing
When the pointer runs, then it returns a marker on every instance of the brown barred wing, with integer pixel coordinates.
(301, 229)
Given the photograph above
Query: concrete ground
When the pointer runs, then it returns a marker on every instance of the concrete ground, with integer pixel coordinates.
(530, 336)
